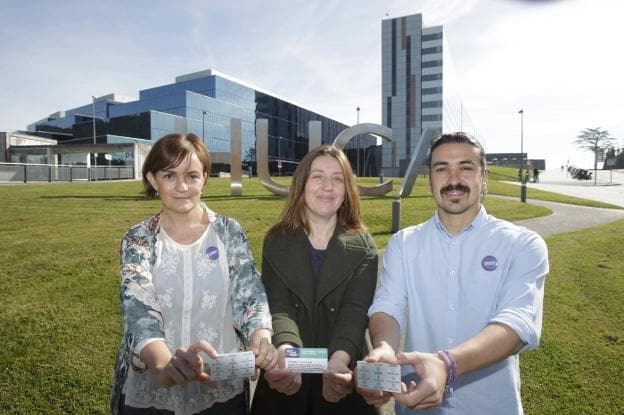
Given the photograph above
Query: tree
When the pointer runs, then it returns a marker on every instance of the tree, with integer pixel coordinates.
(596, 141)
(611, 154)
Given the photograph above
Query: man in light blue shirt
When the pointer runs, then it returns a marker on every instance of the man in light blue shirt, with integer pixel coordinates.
(466, 289)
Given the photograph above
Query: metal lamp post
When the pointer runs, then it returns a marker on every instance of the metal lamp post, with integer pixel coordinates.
(522, 181)
(279, 154)
(94, 140)
(358, 143)
(203, 127)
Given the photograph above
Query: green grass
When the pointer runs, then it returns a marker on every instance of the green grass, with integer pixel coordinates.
(578, 368)
(59, 312)
(499, 173)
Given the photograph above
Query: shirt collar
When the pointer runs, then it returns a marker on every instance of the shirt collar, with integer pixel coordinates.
(476, 223)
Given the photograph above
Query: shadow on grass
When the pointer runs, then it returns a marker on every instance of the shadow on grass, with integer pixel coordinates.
(235, 198)
(381, 233)
(390, 198)
(140, 198)
(124, 198)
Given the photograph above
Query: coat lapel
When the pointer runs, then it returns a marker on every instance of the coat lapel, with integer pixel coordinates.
(344, 253)
(290, 259)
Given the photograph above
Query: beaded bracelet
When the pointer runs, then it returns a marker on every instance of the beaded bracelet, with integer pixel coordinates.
(451, 367)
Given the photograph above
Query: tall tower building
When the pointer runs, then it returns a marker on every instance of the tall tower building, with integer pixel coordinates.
(417, 88)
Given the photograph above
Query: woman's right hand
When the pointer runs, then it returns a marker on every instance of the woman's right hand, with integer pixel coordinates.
(281, 379)
(264, 351)
(185, 366)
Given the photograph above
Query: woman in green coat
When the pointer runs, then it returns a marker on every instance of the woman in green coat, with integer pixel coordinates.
(319, 268)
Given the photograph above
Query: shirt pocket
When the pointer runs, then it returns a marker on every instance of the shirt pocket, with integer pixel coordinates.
(482, 289)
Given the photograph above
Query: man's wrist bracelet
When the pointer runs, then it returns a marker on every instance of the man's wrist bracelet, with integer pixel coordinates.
(451, 367)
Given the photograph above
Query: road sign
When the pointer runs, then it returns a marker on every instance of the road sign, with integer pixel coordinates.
(611, 162)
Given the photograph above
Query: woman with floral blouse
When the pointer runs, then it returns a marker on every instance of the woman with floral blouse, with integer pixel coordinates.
(189, 285)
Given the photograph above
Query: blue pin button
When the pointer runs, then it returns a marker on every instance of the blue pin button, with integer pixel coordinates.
(212, 252)
(489, 263)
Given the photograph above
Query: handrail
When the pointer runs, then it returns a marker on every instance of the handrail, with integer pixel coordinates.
(32, 172)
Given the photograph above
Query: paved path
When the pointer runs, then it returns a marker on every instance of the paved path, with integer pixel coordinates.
(609, 187)
(566, 218)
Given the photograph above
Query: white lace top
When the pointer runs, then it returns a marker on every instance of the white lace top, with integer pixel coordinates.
(192, 287)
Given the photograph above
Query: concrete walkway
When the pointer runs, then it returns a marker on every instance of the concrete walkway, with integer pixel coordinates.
(566, 218)
(609, 187)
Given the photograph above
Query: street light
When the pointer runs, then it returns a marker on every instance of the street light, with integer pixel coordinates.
(203, 127)
(279, 154)
(522, 182)
(358, 143)
(94, 141)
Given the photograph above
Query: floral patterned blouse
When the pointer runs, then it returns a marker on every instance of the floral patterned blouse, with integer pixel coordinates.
(181, 294)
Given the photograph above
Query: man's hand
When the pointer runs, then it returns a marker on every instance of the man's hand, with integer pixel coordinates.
(432, 372)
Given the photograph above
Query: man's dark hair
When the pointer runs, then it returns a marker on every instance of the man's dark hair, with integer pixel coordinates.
(462, 138)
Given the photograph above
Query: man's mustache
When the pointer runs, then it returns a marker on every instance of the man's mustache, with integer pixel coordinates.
(453, 187)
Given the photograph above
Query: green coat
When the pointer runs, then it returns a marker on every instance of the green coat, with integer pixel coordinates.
(330, 312)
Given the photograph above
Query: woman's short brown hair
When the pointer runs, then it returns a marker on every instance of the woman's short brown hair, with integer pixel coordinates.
(169, 151)
(293, 217)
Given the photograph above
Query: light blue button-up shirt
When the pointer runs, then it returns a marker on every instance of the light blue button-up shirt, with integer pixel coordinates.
(444, 289)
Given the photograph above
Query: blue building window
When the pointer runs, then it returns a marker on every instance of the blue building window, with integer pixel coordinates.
(432, 36)
(431, 64)
(431, 91)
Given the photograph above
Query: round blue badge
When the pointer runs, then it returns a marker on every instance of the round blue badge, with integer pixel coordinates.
(212, 252)
(489, 263)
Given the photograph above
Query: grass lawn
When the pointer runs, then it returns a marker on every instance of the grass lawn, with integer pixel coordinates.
(578, 367)
(59, 310)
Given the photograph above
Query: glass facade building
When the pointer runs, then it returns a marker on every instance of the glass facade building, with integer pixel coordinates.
(202, 103)
(418, 88)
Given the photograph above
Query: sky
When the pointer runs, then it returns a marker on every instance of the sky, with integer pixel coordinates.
(559, 60)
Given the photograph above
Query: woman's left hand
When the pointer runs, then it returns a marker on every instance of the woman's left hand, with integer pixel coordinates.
(338, 378)
(263, 349)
